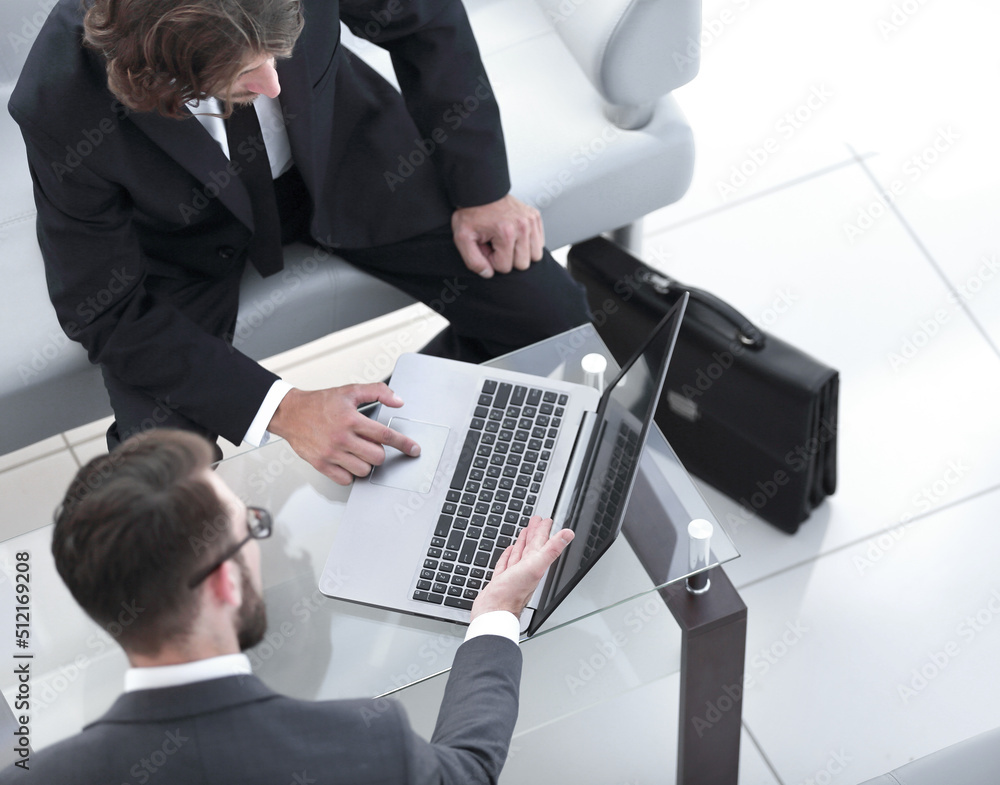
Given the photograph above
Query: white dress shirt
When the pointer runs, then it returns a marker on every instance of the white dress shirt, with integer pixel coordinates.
(279, 154)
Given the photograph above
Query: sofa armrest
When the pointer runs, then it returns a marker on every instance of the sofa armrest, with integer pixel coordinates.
(974, 761)
(633, 51)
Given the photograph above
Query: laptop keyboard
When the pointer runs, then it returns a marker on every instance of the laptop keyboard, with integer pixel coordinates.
(493, 491)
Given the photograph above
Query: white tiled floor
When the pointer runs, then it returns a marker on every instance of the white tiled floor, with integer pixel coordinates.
(892, 585)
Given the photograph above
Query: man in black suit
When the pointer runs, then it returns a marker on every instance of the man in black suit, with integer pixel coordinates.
(150, 204)
(151, 527)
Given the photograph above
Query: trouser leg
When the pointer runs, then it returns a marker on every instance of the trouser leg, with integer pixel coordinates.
(487, 317)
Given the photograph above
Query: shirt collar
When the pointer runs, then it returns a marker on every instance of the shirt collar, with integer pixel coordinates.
(187, 673)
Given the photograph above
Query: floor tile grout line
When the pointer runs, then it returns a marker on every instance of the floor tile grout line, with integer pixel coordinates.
(72, 452)
(760, 750)
(79, 442)
(28, 461)
(753, 197)
(583, 709)
(927, 254)
(867, 537)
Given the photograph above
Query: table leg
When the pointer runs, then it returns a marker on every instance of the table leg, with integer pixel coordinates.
(713, 650)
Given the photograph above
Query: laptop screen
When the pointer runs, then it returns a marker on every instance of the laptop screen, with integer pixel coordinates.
(623, 420)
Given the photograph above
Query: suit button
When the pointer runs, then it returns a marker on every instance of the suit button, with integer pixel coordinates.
(226, 252)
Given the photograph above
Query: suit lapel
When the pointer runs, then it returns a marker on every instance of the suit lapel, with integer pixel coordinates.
(188, 143)
(296, 105)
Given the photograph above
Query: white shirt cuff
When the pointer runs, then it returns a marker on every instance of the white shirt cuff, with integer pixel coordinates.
(257, 434)
(502, 623)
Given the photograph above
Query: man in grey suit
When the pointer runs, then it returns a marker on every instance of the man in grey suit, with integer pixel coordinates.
(139, 527)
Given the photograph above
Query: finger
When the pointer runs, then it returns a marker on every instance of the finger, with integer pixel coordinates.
(522, 252)
(519, 545)
(512, 553)
(556, 545)
(404, 444)
(537, 238)
(370, 435)
(373, 392)
(473, 256)
(547, 547)
(502, 562)
(360, 460)
(537, 531)
(334, 472)
(524, 240)
(504, 244)
(522, 545)
(486, 249)
(389, 398)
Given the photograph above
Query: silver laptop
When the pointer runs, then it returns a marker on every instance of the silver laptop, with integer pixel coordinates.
(421, 535)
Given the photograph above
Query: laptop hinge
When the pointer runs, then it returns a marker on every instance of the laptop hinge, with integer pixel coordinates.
(577, 464)
(566, 500)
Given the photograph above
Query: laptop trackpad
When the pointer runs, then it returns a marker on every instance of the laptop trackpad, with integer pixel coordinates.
(412, 474)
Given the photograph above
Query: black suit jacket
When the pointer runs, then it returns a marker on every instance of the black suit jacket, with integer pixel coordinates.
(139, 214)
(236, 730)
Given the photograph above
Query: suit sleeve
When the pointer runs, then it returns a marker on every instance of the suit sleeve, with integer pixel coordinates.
(445, 87)
(476, 719)
(97, 277)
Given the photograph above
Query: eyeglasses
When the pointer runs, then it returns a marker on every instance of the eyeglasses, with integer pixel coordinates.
(258, 522)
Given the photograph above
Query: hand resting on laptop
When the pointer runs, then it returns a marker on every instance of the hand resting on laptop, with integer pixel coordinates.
(521, 567)
(326, 429)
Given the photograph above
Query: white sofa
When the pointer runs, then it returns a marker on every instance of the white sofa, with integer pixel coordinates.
(594, 137)
(975, 761)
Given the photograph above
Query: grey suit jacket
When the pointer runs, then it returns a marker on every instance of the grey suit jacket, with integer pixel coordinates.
(236, 730)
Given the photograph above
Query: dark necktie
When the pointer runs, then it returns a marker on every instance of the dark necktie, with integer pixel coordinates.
(246, 150)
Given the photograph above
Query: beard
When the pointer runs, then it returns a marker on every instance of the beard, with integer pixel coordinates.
(252, 616)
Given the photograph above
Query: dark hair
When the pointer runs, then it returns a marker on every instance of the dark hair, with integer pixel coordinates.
(161, 54)
(132, 529)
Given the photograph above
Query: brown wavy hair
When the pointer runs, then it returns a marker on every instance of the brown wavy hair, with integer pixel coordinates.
(161, 54)
(133, 528)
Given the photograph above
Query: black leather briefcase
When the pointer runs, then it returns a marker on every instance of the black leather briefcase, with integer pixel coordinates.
(746, 412)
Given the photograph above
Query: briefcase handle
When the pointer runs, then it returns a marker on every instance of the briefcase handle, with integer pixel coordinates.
(746, 333)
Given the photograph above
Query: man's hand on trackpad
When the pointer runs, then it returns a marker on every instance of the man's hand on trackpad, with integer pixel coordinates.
(326, 429)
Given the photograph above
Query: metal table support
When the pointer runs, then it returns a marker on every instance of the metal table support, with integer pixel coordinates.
(713, 650)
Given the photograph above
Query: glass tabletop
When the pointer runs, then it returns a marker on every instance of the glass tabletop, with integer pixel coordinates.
(320, 648)
(340, 648)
